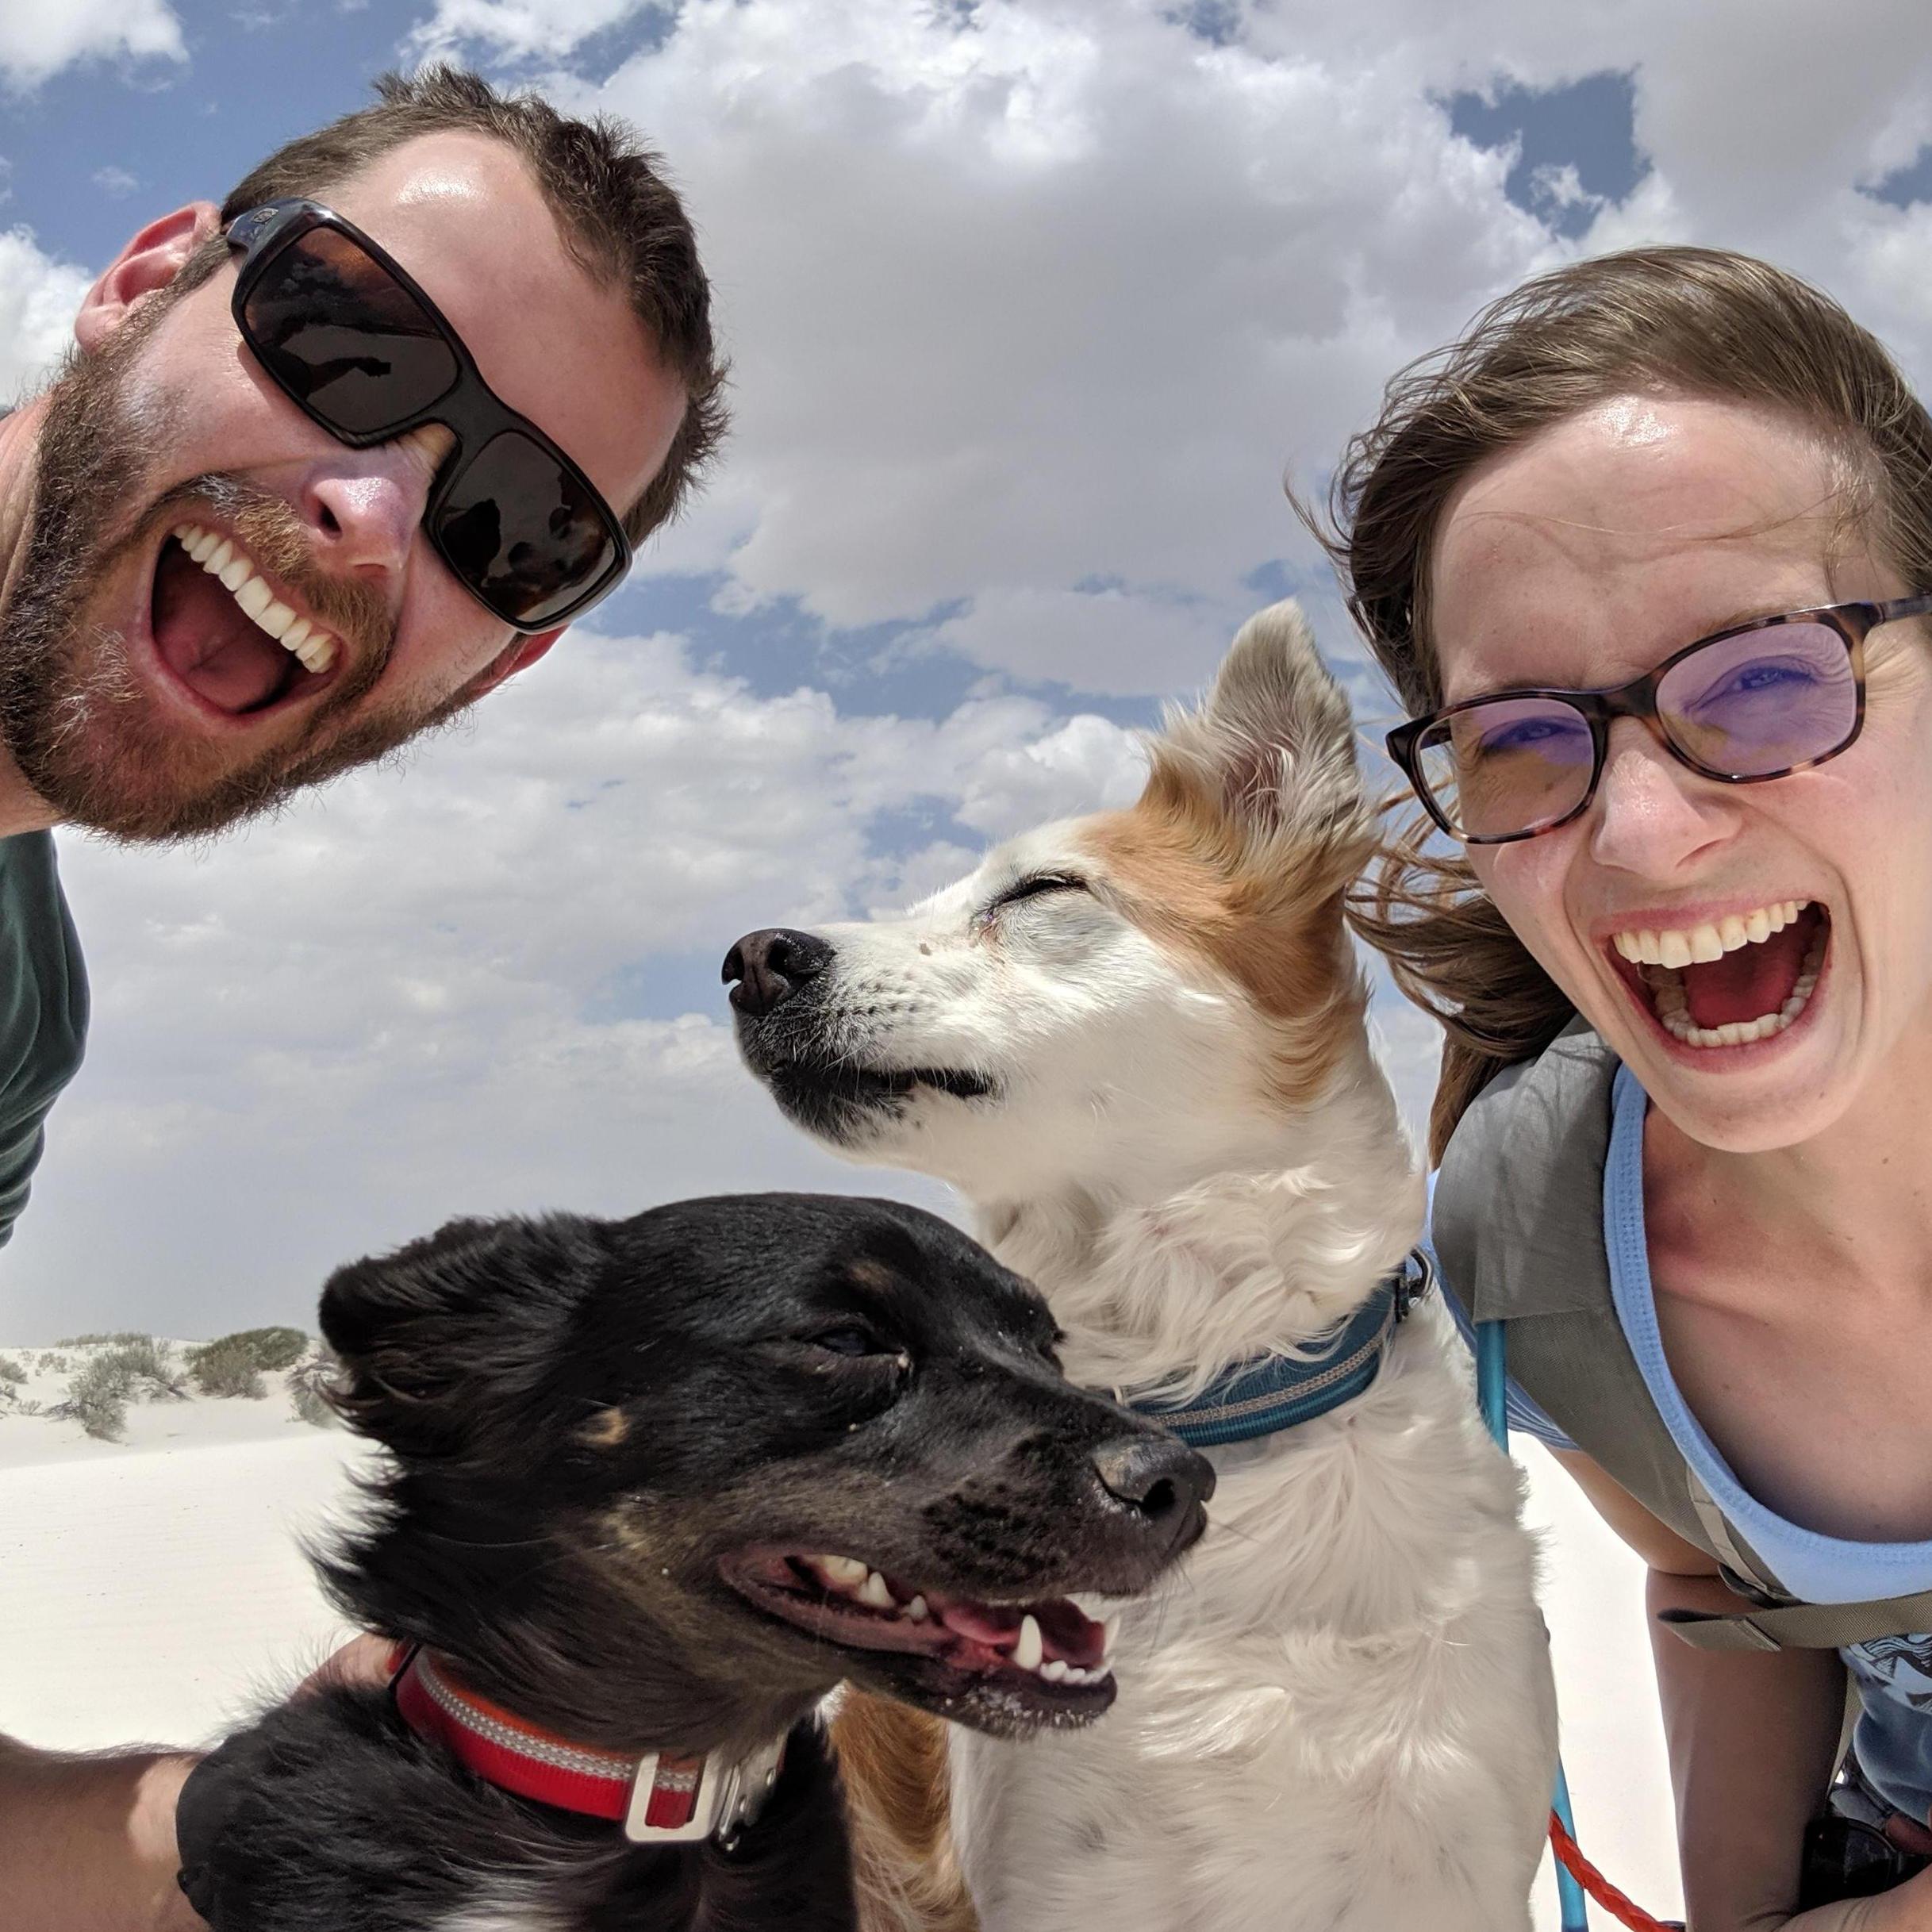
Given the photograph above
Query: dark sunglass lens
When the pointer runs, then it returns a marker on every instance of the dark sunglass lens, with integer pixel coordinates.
(1511, 765)
(522, 533)
(334, 328)
(1749, 706)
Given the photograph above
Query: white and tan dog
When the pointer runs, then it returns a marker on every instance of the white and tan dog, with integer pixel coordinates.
(1135, 1043)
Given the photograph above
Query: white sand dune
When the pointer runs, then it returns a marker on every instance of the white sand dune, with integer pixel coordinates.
(155, 1592)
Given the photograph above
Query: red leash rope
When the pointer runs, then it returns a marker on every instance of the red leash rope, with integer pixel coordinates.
(1620, 1908)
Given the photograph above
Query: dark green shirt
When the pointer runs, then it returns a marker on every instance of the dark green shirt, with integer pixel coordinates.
(43, 1010)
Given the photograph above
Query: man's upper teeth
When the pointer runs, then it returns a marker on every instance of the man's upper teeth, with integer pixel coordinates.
(1693, 945)
(230, 566)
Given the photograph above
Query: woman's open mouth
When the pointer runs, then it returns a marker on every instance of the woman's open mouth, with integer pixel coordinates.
(1045, 1661)
(221, 628)
(1746, 977)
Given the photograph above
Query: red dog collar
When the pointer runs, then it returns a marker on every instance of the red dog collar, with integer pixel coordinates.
(664, 1798)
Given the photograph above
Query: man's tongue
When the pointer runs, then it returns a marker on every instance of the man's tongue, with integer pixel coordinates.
(1752, 981)
(208, 640)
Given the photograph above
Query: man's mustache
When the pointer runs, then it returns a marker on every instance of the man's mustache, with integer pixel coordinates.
(274, 536)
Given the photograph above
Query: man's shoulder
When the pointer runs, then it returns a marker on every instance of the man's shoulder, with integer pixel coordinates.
(43, 983)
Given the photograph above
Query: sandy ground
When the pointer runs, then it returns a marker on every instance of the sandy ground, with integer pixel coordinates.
(156, 1592)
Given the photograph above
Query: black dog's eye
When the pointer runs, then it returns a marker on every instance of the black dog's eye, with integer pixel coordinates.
(1039, 883)
(850, 1341)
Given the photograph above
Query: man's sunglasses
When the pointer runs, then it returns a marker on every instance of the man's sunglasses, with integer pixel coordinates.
(1759, 700)
(356, 346)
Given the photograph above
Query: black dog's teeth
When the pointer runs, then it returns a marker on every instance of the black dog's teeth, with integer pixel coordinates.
(857, 1586)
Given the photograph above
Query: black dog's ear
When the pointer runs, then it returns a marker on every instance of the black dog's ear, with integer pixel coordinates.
(458, 1323)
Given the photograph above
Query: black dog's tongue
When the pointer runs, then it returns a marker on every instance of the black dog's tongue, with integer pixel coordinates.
(1066, 1631)
(210, 642)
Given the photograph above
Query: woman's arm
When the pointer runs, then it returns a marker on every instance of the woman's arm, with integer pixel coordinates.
(1753, 1736)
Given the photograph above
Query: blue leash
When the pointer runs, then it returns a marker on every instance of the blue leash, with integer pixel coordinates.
(1492, 1386)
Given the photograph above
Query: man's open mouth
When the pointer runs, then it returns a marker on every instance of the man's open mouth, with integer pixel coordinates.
(220, 627)
(1045, 1661)
(1746, 977)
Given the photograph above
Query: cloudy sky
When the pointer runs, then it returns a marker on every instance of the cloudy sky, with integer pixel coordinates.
(1032, 303)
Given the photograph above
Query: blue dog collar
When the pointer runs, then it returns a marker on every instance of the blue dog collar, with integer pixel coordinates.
(1274, 1393)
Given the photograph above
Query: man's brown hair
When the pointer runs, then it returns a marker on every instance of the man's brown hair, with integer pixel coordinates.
(621, 218)
(1685, 321)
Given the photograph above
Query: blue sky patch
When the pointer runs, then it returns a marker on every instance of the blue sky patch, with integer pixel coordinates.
(1577, 144)
(1904, 185)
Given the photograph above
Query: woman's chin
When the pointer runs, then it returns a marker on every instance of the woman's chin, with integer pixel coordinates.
(1748, 1097)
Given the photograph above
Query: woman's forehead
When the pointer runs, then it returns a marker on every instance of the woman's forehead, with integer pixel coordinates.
(1595, 547)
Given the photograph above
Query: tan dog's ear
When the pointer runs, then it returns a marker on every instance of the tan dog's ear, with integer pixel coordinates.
(1273, 742)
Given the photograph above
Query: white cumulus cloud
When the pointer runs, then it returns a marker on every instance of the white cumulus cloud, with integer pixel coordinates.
(444, 987)
(38, 298)
(37, 40)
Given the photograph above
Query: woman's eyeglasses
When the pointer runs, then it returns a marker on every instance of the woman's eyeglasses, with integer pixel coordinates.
(1759, 701)
(356, 346)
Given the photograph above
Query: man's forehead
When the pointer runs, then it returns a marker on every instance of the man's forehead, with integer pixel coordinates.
(463, 213)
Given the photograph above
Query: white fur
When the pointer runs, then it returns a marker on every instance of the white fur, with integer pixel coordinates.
(1340, 1717)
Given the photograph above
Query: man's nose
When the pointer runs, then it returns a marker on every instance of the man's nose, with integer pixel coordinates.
(367, 505)
(1652, 814)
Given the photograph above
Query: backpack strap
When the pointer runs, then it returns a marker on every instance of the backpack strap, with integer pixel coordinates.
(1802, 1627)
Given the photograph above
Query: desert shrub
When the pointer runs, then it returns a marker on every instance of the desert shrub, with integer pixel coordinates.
(97, 1398)
(151, 1370)
(309, 1382)
(11, 1371)
(235, 1363)
(90, 1341)
(49, 1359)
(227, 1367)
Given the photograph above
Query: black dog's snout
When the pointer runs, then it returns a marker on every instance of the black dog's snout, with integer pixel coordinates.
(1162, 1480)
(768, 967)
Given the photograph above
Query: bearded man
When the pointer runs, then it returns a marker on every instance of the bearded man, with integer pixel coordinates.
(330, 462)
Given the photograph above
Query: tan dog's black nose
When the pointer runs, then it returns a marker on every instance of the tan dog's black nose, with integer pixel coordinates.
(1161, 1480)
(768, 967)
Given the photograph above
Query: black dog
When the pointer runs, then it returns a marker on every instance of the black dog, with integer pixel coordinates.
(657, 1486)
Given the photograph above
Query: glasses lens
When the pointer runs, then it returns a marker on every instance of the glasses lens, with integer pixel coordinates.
(1746, 707)
(1512, 764)
(522, 533)
(336, 329)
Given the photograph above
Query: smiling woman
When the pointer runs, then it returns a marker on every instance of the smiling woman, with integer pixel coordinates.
(1648, 554)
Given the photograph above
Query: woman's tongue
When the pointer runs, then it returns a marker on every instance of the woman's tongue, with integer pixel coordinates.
(208, 641)
(1750, 981)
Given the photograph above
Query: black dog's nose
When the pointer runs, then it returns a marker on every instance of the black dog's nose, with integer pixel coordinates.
(769, 966)
(1161, 1479)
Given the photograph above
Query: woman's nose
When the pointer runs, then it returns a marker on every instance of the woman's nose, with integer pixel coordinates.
(1651, 815)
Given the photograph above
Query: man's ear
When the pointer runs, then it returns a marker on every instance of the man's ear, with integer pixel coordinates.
(150, 262)
(518, 656)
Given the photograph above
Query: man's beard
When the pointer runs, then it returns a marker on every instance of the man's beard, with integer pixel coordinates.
(74, 716)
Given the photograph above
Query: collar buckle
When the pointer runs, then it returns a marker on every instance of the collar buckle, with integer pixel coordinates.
(677, 1799)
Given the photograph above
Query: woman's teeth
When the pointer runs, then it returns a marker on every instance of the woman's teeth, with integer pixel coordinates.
(1698, 943)
(1665, 980)
(223, 560)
